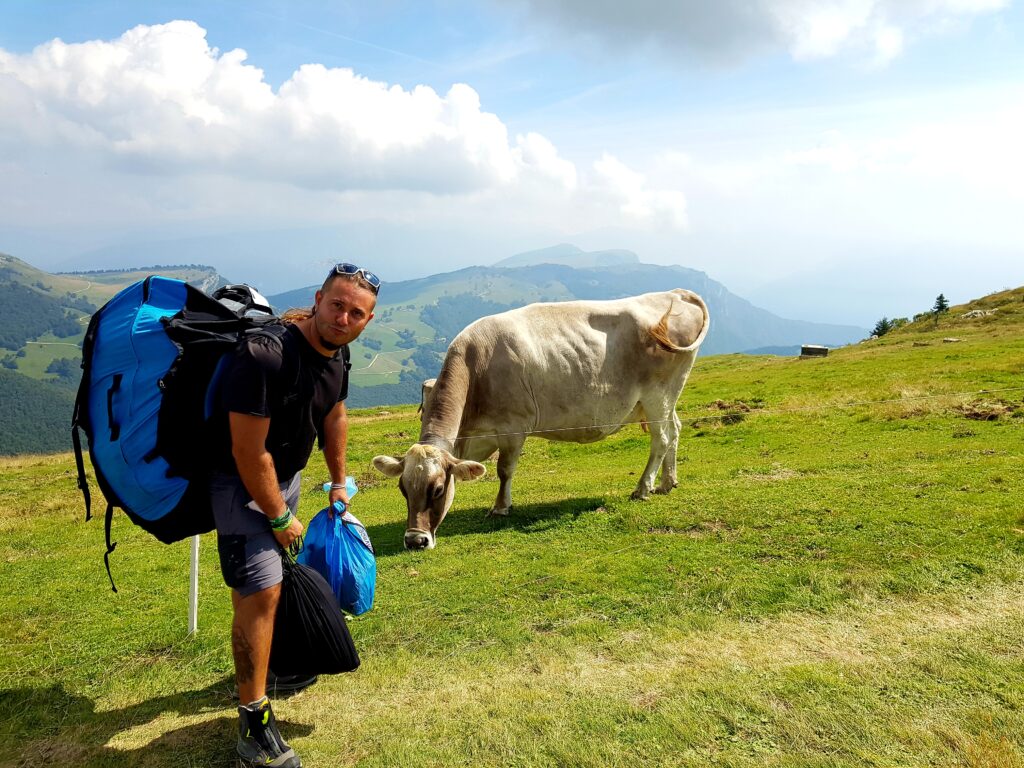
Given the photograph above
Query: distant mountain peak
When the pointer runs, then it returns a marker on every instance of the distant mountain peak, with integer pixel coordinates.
(571, 256)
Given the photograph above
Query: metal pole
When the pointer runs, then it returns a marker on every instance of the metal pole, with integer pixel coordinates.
(193, 589)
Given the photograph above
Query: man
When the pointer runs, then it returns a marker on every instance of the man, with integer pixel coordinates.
(279, 393)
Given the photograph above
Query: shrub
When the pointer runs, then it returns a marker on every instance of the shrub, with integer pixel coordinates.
(882, 327)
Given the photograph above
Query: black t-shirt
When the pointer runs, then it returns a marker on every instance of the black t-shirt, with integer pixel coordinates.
(284, 378)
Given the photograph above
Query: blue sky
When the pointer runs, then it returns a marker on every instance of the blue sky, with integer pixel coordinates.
(834, 160)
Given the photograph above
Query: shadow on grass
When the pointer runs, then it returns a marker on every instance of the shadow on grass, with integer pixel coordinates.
(51, 726)
(388, 538)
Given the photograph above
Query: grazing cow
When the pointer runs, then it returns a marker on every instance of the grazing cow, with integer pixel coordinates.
(426, 392)
(574, 371)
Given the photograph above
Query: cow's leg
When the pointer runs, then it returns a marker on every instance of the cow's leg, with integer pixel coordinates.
(509, 449)
(660, 433)
(668, 464)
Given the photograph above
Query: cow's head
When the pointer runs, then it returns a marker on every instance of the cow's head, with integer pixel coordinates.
(426, 477)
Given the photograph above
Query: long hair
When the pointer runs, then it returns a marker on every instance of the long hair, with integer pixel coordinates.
(294, 314)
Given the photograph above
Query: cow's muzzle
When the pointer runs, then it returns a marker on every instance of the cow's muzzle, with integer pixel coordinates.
(417, 539)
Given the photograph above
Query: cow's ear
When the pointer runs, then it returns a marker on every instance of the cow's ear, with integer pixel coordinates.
(468, 470)
(388, 465)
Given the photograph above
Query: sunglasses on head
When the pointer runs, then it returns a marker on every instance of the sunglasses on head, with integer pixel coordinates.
(351, 269)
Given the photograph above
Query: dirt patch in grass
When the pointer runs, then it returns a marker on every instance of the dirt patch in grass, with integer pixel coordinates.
(57, 751)
(733, 405)
(916, 405)
(725, 413)
(647, 700)
(986, 410)
(699, 530)
(368, 480)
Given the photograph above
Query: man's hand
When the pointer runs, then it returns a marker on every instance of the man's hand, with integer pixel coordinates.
(335, 441)
(337, 494)
(289, 534)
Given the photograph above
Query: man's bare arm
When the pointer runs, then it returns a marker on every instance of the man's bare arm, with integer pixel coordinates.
(256, 468)
(335, 445)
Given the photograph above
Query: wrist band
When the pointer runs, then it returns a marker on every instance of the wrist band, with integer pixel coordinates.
(338, 486)
(281, 523)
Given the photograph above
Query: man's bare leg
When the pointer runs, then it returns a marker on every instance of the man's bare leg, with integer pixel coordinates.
(252, 631)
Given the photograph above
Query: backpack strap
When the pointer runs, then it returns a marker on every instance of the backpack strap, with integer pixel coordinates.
(110, 547)
(80, 414)
(83, 483)
(290, 362)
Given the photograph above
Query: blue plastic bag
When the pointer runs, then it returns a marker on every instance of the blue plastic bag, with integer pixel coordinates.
(340, 550)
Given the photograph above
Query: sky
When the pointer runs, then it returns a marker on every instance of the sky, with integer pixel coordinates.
(829, 160)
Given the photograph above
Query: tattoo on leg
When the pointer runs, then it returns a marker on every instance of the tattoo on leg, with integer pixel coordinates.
(242, 651)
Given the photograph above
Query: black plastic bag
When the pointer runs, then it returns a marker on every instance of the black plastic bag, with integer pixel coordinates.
(310, 634)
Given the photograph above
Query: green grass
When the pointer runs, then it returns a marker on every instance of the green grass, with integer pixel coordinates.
(388, 362)
(836, 582)
(44, 350)
(98, 288)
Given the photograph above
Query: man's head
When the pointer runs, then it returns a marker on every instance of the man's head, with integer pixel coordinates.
(343, 306)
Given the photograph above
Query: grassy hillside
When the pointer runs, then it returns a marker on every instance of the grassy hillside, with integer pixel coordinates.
(837, 581)
(43, 316)
(36, 415)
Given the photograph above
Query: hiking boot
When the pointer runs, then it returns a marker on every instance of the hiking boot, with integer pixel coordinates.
(283, 685)
(259, 742)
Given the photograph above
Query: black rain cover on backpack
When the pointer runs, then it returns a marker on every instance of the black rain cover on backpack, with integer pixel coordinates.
(148, 359)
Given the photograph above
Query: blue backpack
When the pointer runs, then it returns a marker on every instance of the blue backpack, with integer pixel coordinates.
(150, 360)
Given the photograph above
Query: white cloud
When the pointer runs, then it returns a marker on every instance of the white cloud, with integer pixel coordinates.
(732, 29)
(819, 30)
(160, 98)
(537, 152)
(636, 199)
(833, 153)
(812, 29)
(888, 44)
(160, 102)
(977, 153)
(160, 112)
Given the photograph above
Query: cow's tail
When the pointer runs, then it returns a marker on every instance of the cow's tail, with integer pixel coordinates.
(660, 332)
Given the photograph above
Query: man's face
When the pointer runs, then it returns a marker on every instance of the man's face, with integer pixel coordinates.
(341, 312)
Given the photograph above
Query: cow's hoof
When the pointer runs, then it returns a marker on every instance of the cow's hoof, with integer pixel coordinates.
(638, 495)
(665, 488)
(499, 512)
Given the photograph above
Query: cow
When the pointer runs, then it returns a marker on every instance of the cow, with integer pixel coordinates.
(573, 371)
(426, 392)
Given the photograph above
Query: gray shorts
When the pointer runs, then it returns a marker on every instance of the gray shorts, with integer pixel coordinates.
(250, 557)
